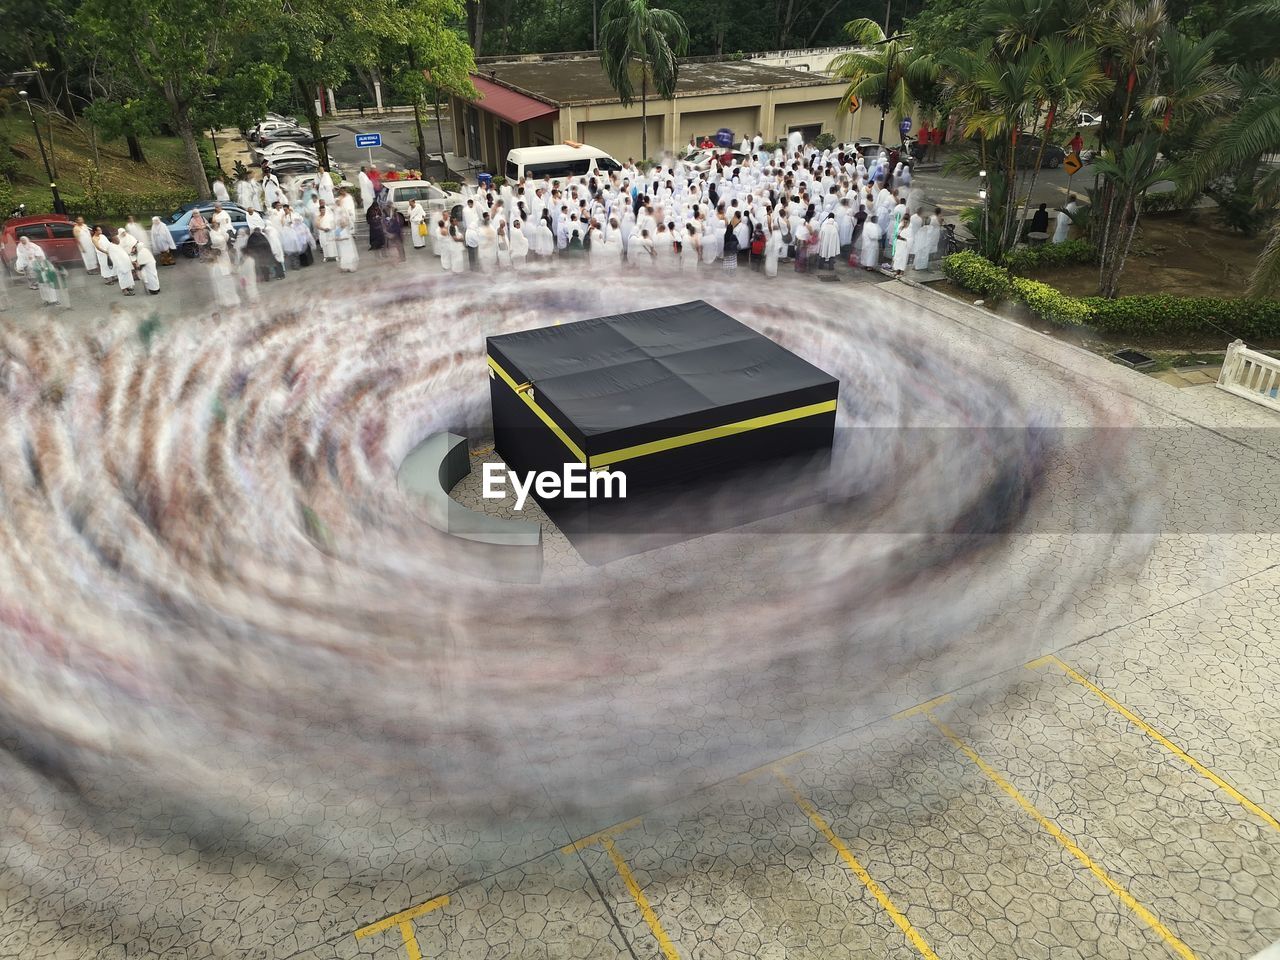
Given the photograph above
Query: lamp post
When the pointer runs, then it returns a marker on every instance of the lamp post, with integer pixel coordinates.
(58, 206)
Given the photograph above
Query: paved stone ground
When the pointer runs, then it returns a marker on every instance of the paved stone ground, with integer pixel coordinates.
(1111, 791)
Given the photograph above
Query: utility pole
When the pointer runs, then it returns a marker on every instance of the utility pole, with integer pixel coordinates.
(58, 205)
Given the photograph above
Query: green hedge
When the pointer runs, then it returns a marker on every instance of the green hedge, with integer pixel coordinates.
(1067, 254)
(1209, 316)
(1050, 303)
(1144, 315)
(977, 274)
(119, 205)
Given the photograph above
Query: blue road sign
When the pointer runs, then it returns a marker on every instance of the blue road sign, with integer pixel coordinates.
(368, 140)
(905, 126)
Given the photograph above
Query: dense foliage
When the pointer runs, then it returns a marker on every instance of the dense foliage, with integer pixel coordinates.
(1247, 318)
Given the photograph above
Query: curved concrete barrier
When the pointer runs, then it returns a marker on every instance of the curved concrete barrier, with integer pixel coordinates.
(498, 547)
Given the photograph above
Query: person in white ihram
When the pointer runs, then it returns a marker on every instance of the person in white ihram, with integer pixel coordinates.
(122, 265)
(417, 224)
(366, 189)
(84, 240)
(220, 191)
(324, 186)
(147, 267)
(325, 227)
(1062, 228)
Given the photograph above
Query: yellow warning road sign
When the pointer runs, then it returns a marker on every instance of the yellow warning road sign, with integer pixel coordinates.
(1072, 164)
(854, 103)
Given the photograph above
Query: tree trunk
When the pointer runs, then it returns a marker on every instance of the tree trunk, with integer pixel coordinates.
(440, 133)
(422, 136)
(195, 165)
(313, 121)
(475, 14)
(135, 148)
(644, 115)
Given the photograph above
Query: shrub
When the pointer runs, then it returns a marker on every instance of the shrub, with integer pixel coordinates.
(977, 274)
(450, 186)
(117, 206)
(824, 141)
(1070, 253)
(7, 200)
(1050, 303)
(499, 181)
(1194, 316)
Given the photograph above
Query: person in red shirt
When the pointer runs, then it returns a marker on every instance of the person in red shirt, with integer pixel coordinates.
(376, 177)
(707, 143)
(392, 174)
(1077, 142)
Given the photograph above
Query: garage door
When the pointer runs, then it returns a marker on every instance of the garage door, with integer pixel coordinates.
(621, 138)
(743, 121)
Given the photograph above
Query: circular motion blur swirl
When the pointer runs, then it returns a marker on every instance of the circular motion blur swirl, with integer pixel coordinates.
(211, 580)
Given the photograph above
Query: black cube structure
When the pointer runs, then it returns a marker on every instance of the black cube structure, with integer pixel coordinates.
(675, 397)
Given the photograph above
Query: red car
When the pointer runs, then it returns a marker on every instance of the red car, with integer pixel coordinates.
(52, 231)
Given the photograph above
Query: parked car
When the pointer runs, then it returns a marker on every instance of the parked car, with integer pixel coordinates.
(1087, 119)
(50, 231)
(180, 221)
(286, 135)
(703, 159)
(400, 192)
(269, 126)
(1029, 149)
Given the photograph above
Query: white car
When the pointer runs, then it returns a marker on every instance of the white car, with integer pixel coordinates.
(400, 192)
(1086, 119)
(281, 146)
(703, 159)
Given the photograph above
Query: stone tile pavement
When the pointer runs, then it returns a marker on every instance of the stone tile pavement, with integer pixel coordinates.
(1118, 799)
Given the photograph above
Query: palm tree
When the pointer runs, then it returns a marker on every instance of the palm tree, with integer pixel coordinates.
(1067, 77)
(1252, 133)
(638, 38)
(1176, 81)
(887, 73)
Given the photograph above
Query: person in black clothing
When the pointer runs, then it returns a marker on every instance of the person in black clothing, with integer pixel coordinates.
(259, 248)
(377, 234)
(1040, 220)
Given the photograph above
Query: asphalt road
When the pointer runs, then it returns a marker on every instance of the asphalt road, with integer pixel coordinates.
(399, 144)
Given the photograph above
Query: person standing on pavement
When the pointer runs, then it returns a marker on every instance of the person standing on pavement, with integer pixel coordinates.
(393, 226)
(84, 240)
(147, 267)
(417, 224)
(220, 192)
(122, 264)
(246, 192)
(325, 227)
(377, 235)
(103, 248)
(366, 188)
(324, 186)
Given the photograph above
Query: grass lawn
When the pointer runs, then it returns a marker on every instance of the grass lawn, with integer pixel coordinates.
(165, 168)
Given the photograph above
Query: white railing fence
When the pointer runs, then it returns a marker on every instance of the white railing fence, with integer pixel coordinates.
(1252, 375)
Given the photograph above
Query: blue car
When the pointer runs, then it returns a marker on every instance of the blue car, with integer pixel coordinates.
(180, 222)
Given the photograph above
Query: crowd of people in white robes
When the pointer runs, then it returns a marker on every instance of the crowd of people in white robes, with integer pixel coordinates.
(803, 205)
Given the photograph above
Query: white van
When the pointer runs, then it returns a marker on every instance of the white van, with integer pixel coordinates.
(568, 159)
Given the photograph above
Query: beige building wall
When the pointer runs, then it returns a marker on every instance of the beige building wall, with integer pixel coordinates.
(741, 120)
(616, 129)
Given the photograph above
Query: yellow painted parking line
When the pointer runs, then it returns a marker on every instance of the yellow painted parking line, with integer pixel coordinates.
(633, 888)
(858, 869)
(1159, 738)
(922, 707)
(1147, 917)
(599, 835)
(605, 839)
(404, 921)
